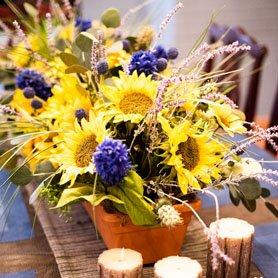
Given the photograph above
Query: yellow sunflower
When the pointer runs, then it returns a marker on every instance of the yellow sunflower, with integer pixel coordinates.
(131, 97)
(20, 56)
(116, 59)
(231, 120)
(194, 155)
(22, 104)
(67, 32)
(38, 150)
(75, 156)
(68, 97)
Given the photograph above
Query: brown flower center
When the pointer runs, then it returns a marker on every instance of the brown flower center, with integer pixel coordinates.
(189, 152)
(135, 103)
(85, 150)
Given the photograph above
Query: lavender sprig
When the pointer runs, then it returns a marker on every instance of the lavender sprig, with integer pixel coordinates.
(168, 19)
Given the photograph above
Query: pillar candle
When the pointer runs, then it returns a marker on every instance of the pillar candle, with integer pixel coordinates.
(177, 267)
(235, 238)
(120, 262)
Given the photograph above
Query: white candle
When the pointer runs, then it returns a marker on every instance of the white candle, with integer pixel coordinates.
(235, 238)
(120, 262)
(177, 267)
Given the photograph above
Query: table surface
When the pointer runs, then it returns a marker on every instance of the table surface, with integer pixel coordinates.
(27, 250)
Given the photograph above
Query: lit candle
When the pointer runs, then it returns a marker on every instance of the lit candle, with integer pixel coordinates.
(235, 238)
(178, 267)
(120, 262)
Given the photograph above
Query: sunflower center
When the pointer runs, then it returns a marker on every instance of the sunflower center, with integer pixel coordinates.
(85, 150)
(135, 103)
(189, 152)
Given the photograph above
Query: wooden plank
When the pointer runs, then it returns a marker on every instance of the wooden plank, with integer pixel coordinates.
(76, 246)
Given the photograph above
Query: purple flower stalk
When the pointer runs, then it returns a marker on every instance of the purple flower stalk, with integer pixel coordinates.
(112, 161)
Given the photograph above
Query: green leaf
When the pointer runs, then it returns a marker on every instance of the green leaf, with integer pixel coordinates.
(111, 18)
(61, 44)
(250, 188)
(84, 41)
(10, 157)
(30, 9)
(249, 204)
(235, 198)
(140, 212)
(135, 182)
(46, 168)
(76, 69)
(21, 176)
(84, 192)
(135, 205)
(265, 192)
(272, 208)
(98, 198)
(68, 59)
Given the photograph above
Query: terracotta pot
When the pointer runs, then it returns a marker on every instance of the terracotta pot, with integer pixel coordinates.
(154, 242)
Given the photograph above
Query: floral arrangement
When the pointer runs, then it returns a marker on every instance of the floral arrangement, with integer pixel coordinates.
(115, 118)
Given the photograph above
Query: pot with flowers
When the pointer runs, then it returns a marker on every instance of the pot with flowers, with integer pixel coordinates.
(110, 118)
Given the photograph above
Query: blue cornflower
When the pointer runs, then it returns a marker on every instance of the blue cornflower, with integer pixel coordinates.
(143, 62)
(111, 161)
(160, 52)
(83, 24)
(32, 79)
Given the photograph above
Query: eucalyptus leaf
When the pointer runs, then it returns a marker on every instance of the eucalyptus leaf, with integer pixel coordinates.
(61, 44)
(234, 195)
(30, 9)
(111, 18)
(68, 58)
(45, 168)
(249, 204)
(85, 41)
(87, 59)
(265, 192)
(21, 176)
(250, 188)
(76, 69)
(8, 160)
(272, 208)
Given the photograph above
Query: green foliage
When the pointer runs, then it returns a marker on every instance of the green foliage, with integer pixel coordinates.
(234, 196)
(45, 168)
(85, 41)
(52, 193)
(85, 192)
(76, 69)
(68, 59)
(272, 208)
(8, 160)
(30, 9)
(21, 176)
(250, 188)
(265, 192)
(111, 18)
(131, 193)
(248, 191)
